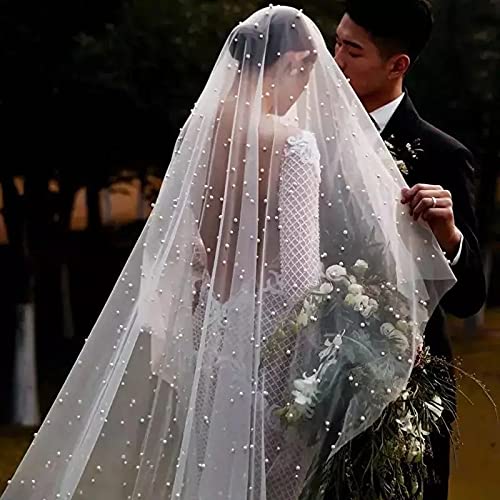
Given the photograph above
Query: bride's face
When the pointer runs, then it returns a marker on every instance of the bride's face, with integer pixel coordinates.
(286, 80)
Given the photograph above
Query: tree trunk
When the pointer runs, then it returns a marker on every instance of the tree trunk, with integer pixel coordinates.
(140, 213)
(26, 404)
(106, 207)
(67, 189)
(67, 308)
(94, 223)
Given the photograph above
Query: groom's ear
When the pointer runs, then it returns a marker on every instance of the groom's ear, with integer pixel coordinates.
(399, 65)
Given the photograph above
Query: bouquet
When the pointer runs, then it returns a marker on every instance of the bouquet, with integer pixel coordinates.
(387, 460)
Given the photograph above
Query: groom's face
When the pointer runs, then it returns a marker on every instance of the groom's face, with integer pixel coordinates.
(360, 59)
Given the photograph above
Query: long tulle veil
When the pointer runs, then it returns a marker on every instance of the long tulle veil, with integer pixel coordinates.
(272, 307)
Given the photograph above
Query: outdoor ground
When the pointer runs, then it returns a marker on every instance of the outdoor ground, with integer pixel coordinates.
(476, 470)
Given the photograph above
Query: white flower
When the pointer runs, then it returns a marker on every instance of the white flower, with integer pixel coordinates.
(335, 271)
(397, 337)
(342, 282)
(405, 423)
(338, 276)
(402, 167)
(349, 299)
(309, 305)
(301, 400)
(305, 393)
(307, 386)
(436, 407)
(303, 318)
(403, 326)
(415, 449)
(355, 289)
(308, 309)
(326, 288)
(414, 328)
(415, 439)
(337, 340)
(371, 308)
(360, 267)
(361, 302)
(326, 351)
(386, 329)
(330, 346)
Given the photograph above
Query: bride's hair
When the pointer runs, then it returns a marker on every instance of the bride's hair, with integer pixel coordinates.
(395, 25)
(280, 38)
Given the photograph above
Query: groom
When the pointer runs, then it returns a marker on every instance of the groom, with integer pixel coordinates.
(376, 45)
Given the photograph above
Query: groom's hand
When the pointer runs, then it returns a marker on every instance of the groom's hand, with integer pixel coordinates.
(435, 206)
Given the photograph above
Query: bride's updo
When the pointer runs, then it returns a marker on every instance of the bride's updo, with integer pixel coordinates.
(263, 38)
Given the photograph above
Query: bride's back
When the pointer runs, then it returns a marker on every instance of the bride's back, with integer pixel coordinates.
(248, 140)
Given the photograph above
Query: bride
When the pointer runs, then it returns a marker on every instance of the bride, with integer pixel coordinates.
(272, 307)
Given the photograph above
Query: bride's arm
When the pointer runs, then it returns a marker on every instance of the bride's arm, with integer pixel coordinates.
(299, 217)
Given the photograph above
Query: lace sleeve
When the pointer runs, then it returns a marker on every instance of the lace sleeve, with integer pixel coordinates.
(299, 215)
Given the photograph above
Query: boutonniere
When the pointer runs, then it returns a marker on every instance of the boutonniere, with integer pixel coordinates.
(404, 156)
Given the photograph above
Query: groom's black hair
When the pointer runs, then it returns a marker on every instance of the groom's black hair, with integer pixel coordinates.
(395, 25)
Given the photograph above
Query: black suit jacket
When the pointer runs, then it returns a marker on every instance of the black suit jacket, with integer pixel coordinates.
(446, 162)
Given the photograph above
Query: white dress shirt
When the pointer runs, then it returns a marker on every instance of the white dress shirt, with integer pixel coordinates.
(381, 117)
(384, 114)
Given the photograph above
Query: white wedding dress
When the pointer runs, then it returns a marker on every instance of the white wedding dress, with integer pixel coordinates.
(295, 271)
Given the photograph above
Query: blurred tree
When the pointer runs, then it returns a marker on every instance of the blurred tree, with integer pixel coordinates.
(157, 59)
(457, 86)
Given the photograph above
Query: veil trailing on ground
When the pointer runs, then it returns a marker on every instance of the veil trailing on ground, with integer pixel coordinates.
(272, 307)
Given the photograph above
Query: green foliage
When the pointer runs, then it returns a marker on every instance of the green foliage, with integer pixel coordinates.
(161, 53)
(457, 87)
(457, 81)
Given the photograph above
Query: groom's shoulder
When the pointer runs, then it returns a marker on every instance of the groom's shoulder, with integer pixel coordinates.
(440, 141)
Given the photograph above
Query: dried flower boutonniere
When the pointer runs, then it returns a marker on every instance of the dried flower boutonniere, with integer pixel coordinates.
(404, 156)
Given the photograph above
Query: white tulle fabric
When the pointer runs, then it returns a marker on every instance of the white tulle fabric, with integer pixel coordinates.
(277, 175)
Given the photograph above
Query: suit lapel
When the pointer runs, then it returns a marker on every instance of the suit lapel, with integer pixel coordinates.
(403, 128)
(403, 122)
